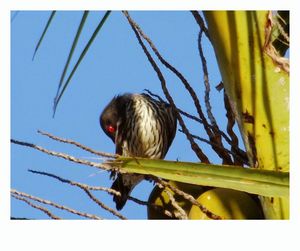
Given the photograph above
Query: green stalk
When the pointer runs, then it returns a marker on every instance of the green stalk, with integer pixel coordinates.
(256, 80)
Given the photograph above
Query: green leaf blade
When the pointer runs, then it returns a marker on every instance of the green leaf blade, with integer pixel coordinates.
(44, 33)
(74, 44)
(84, 51)
(255, 181)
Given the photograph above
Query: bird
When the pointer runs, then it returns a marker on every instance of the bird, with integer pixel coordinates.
(139, 126)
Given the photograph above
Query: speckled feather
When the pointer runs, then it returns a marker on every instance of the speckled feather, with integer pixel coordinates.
(145, 128)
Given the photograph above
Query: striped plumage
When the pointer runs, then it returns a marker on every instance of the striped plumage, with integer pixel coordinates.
(139, 126)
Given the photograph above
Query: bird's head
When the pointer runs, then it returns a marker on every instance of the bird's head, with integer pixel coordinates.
(113, 115)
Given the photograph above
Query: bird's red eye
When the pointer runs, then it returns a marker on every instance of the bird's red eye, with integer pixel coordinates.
(110, 129)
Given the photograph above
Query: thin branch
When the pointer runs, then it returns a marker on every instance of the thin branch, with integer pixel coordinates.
(284, 34)
(178, 110)
(181, 213)
(47, 202)
(86, 189)
(101, 204)
(270, 50)
(201, 23)
(242, 154)
(239, 153)
(194, 146)
(77, 184)
(105, 189)
(20, 218)
(215, 137)
(158, 208)
(206, 82)
(190, 198)
(154, 95)
(234, 139)
(236, 155)
(72, 142)
(102, 166)
(44, 210)
(170, 67)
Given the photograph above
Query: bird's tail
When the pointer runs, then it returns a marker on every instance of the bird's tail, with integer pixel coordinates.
(124, 184)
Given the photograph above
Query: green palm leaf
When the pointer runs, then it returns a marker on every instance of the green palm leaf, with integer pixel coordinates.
(84, 51)
(255, 181)
(79, 30)
(44, 33)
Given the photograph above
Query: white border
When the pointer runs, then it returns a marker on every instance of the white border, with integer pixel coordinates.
(147, 5)
(144, 235)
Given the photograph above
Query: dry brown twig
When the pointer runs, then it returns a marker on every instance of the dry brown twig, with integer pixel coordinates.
(77, 184)
(138, 32)
(186, 196)
(234, 139)
(102, 205)
(40, 208)
(19, 195)
(86, 189)
(155, 207)
(100, 188)
(270, 50)
(237, 156)
(283, 33)
(184, 81)
(214, 137)
(178, 109)
(65, 156)
(239, 153)
(72, 142)
(103, 166)
(206, 83)
(200, 22)
(181, 214)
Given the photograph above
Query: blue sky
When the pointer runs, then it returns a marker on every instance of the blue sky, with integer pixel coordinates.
(114, 64)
